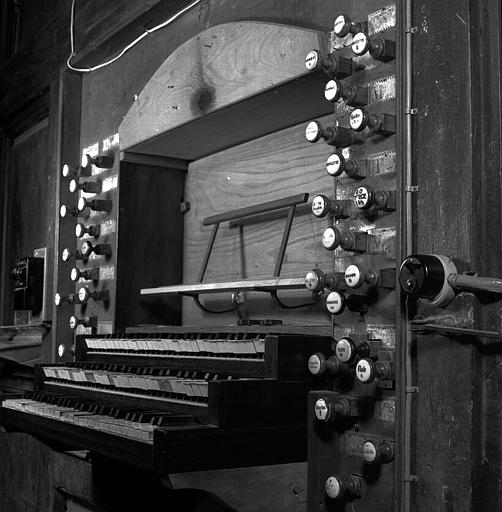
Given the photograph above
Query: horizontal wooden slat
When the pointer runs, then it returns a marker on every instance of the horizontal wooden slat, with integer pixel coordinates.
(294, 283)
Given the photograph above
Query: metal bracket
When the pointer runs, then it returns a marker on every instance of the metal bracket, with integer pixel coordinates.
(411, 30)
(410, 478)
(411, 389)
(411, 188)
(411, 111)
(447, 330)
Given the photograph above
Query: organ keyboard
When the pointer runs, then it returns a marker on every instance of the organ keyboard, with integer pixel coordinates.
(176, 401)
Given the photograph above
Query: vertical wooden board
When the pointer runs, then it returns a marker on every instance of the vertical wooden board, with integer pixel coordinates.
(442, 225)
(268, 168)
(486, 19)
(69, 111)
(30, 473)
(281, 487)
(150, 243)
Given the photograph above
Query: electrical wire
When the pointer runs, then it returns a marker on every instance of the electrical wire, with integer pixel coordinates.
(204, 308)
(127, 48)
(288, 306)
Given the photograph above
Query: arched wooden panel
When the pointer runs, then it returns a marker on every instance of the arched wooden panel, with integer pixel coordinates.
(232, 83)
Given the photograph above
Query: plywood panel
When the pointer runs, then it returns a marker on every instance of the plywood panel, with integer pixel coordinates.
(220, 67)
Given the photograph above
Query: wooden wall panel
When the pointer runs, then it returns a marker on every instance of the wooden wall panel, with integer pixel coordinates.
(452, 218)
(31, 471)
(32, 196)
(272, 167)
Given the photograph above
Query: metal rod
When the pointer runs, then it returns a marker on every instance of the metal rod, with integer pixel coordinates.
(255, 209)
(284, 241)
(407, 375)
(301, 209)
(209, 248)
(474, 283)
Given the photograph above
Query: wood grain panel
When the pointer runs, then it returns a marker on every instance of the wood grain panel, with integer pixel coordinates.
(279, 488)
(268, 168)
(443, 225)
(31, 486)
(221, 66)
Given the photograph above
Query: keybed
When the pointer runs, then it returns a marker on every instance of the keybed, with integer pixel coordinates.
(180, 346)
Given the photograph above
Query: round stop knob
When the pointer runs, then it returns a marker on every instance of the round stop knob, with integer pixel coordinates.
(313, 60)
(99, 205)
(90, 187)
(359, 119)
(335, 164)
(367, 371)
(320, 205)
(84, 294)
(81, 230)
(65, 211)
(323, 409)
(87, 273)
(326, 410)
(60, 299)
(318, 365)
(342, 25)
(313, 131)
(66, 254)
(330, 238)
(354, 276)
(339, 487)
(91, 321)
(100, 249)
(66, 171)
(101, 161)
(334, 487)
(374, 452)
(360, 43)
(63, 351)
(364, 197)
(345, 350)
(335, 303)
(333, 90)
(314, 280)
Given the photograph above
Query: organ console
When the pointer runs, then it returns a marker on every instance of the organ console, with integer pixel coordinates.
(268, 390)
(154, 389)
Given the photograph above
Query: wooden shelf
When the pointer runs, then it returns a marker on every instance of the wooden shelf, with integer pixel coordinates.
(209, 94)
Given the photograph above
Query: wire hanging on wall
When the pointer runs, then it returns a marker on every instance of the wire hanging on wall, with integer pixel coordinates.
(124, 50)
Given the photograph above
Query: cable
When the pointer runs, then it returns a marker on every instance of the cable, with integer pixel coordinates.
(201, 306)
(127, 48)
(287, 306)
